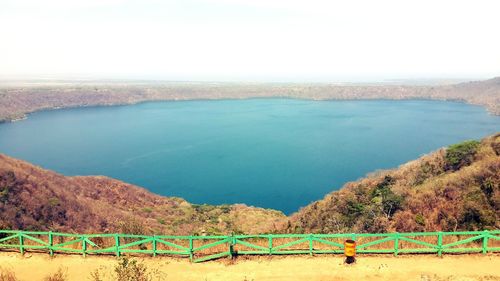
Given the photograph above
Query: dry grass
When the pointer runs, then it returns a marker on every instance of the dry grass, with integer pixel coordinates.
(59, 275)
(7, 275)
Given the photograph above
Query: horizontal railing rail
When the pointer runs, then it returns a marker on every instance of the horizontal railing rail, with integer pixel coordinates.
(203, 248)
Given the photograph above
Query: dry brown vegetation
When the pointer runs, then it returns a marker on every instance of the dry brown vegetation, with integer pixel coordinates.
(128, 270)
(59, 275)
(7, 275)
(17, 101)
(32, 198)
(457, 188)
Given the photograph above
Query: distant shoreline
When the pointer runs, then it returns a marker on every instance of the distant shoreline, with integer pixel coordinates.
(17, 102)
(27, 114)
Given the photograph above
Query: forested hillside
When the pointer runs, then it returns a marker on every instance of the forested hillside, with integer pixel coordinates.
(457, 188)
(32, 198)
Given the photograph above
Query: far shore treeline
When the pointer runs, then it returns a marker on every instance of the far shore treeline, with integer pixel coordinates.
(18, 99)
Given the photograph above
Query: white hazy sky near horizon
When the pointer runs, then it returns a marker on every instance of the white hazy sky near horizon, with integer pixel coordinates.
(249, 40)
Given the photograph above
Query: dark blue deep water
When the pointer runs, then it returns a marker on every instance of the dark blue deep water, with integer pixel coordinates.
(275, 153)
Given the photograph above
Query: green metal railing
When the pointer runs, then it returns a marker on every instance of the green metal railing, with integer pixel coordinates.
(203, 248)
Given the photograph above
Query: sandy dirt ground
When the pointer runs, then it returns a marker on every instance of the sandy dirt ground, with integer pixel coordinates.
(33, 267)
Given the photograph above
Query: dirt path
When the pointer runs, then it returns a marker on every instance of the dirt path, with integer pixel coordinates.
(34, 267)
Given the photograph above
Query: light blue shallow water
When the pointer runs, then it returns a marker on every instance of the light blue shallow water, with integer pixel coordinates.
(276, 153)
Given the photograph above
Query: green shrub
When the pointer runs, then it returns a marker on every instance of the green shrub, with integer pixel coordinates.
(7, 180)
(419, 219)
(53, 201)
(131, 270)
(354, 208)
(127, 270)
(474, 218)
(4, 193)
(203, 208)
(225, 208)
(475, 213)
(382, 194)
(488, 187)
(462, 154)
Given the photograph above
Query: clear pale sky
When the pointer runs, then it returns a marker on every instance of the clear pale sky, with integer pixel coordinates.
(250, 40)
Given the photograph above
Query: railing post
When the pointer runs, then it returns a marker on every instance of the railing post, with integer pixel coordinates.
(21, 242)
(154, 245)
(51, 244)
(84, 246)
(396, 244)
(353, 238)
(440, 244)
(117, 245)
(485, 242)
(231, 245)
(310, 245)
(191, 248)
(270, 244)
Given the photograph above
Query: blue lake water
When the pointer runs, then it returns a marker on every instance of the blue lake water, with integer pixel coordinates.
(275, 153)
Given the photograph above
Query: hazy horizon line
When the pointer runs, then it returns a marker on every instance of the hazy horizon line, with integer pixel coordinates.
(156, 80)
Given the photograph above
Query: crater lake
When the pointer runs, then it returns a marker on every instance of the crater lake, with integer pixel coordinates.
(272, 153)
